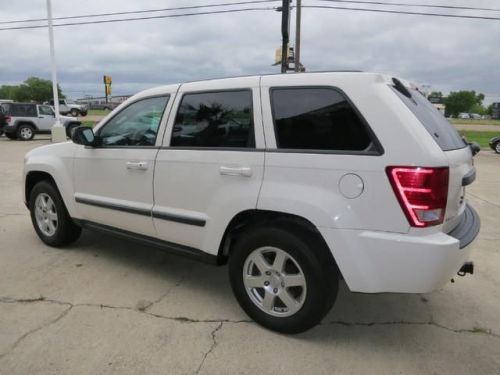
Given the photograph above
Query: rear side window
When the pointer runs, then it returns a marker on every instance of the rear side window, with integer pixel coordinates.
(23, 110)
(444, 133)
(215, 119)
(317, 119)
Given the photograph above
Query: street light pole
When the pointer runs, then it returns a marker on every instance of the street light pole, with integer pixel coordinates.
(58, 133)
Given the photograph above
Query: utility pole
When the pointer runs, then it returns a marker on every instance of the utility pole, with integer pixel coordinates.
(58, 133)
(298, 66)
(285, 34)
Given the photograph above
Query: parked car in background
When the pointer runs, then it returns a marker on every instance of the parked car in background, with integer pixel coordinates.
(475, 116)
(495, 144)
(109, 106)
(2, 118)
(67, 106)
(24, 120)
(296, 181)
(464, 115)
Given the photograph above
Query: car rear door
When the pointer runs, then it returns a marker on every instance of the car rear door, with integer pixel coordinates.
(211, 165)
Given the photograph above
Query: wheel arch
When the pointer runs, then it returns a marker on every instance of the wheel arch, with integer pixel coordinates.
(18, 123)
(34, 177)
(255, 217)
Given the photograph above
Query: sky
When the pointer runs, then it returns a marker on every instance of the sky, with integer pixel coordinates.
(447, 54)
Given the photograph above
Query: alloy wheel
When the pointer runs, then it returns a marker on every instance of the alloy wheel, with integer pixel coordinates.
(274, 281)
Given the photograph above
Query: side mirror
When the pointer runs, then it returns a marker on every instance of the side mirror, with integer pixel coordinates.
(83, 135)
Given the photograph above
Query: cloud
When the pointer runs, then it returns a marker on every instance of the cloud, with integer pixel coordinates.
(448, 54)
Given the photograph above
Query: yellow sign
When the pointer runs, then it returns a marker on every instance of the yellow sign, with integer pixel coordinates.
(108, 80)
(108, 90)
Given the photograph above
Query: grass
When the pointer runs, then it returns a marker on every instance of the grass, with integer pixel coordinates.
(90, 124)
(97, 112)
(459, 121)
(483, 138)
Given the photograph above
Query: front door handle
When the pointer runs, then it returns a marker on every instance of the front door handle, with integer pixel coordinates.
(236, 171)
(137, 165)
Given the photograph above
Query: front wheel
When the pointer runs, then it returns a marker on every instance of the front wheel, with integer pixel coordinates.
(283, 279)
(74, 112)
(70, 129)
(49, 216)
(497, 147)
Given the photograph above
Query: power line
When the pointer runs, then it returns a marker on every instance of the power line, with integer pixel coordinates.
(137, 18)
(413, 5)
(142, 11)
(401, 12)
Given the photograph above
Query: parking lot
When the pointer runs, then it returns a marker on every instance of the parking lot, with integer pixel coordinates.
(108, 306)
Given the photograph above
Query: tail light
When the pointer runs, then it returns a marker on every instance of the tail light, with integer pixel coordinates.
(7, 119)
(421, 192)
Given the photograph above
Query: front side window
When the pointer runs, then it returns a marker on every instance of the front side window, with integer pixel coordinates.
(317, 119)
(45, 110)
(215, 119)
(135, 125)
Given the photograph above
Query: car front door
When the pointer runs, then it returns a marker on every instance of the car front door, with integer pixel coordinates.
(114, 180)
(211, 166)
(46, 118)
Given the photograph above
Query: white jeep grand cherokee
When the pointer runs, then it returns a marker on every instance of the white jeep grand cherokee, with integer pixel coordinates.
(296, 181)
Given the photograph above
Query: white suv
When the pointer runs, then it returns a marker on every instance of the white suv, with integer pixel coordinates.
(296, 181)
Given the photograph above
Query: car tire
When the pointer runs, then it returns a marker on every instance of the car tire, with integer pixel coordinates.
(289, 296)
(70, 128)
(25, 132)
(74, 112)
(50, 217)
(497, 147)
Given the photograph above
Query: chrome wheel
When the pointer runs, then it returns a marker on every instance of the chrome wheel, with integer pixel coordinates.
(46, 214)
(497, 148)
(274, 281)
(26, 133)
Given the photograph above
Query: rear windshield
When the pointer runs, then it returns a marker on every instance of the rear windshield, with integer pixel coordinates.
(444, 133)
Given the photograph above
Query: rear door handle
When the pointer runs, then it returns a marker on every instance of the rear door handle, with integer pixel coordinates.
(236, 171)
(137, 165)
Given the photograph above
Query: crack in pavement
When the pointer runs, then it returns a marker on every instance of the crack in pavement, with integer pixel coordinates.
(34, 330)
(169, 290)
(181, 319)
(474, 330)
(212, 347)
(482, 199)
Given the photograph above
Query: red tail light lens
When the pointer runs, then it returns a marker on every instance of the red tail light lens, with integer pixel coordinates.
(7, 119)
(422, 193)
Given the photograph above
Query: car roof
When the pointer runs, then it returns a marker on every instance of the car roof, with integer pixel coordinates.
(246, 81)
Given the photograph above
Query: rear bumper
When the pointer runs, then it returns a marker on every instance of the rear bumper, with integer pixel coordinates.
(375, 262)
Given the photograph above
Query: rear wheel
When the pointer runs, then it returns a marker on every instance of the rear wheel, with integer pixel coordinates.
(49, 216)
(25, 132)
(283, 279)
(74, 112)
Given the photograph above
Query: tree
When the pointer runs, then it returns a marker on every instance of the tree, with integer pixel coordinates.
(462, 101)
(33, 89)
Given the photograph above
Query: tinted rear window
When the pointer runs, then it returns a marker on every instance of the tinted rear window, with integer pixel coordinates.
(22, 110)
(444, 133)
